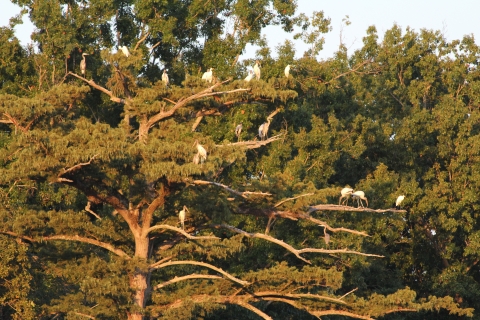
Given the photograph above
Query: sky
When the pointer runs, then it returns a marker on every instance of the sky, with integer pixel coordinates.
(453, 18)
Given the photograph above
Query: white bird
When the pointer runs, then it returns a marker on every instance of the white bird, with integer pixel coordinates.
(263, 130)
(345, 194)
(165, 77)
(208, 76)
(125, 51)
(196, 158)
(287, 71)
(83, 64)
(399, 201)
(327, 236)
(202, 153)
(256, 70)
(181, 216)
(359, 196)
(250, 76)
(238, 130)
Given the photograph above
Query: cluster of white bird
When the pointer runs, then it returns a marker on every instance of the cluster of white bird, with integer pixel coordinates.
(256, 71)
(346, 193)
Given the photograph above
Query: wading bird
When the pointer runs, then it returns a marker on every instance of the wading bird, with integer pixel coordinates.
(202, 153)
(287, 71)
(263, 130)
(346, 193)
(83, 64)
(238, 131)
(256, 70)
(181, 216)
(125, 51)
(399, 201)
(359, 196)
(165, 77)
(208, 76)
(250, 76)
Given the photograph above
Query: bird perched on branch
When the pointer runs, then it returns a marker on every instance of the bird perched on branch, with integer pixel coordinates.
(250, 76)
(346, 193)
(359, 196)
(238, 131)
(287, 71)
(256, 70)
(201, 154)
(83, 64)
(208, 76)
(125, 51)
(181, 216)
(399, 201)
(165, 77)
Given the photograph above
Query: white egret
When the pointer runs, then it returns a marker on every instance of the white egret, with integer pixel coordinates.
(263, 130)
(250, 76)
(399, 201)
(202, 153)
(165, 77)
(208, 76)
(359, 196)
(196, 158)
(345, 194)
(125, 51)
(238, 131)
(181, 216)
(287, 71)
(83, 64)
(256, 70)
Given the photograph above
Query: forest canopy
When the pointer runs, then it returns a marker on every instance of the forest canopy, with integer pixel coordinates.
(147, 171)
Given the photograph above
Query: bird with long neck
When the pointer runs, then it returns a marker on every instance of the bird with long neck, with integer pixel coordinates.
(165, 77)
(256, 70)
(83, 64)
(263, 129)
(181, 216)
(238, 130)
(202, 153)
(359, 196)
(345, 193)
(399, 201)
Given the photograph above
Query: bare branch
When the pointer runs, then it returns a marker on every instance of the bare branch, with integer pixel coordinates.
(87, 208)
(251, 308)
(202, 264)
(97, 243)
(187, 235)
(341, 313)
(100, 88)
(141, 40)
(244, 194)
(75, 167)
(266, 294)
(188, 277)
(302, 195)
(336, 207)
(252, 144)
(83, 315)
(346, 294)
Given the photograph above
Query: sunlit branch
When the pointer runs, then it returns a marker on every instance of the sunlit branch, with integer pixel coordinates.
(179, 230)
(340, 313)
(77, 238)
(100, 88)
(252, 144)
(336, 207)
(289, 199)
(243, 194)
(188, 277)
(202, 264)
(310, 296)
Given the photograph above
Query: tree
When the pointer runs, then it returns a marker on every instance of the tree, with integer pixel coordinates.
(95, 169)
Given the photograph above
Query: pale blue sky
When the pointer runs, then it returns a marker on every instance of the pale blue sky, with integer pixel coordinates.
(454, 18)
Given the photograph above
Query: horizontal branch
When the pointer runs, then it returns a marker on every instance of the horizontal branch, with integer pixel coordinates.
(336, 207)
(289, 199)
(298, 296)
(77, 238)
(187, 235)
(202, 264)
(340, 313)
(243, 194)
(188, 277)
(252, 144)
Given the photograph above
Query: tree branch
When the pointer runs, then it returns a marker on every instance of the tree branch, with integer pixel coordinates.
(283, 201)
(341, 313)
(202, 264)
(336, 207)
(248, 306)
(75, 167)
(252, 144)
(266, 294)
(100, 88)
(244, 194)
(77, 238)
(187, 235)
(188, 277)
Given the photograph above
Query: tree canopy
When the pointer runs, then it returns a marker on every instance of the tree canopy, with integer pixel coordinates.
(128, 197)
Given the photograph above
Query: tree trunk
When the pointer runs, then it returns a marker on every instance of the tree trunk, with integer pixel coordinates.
(140, 281)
